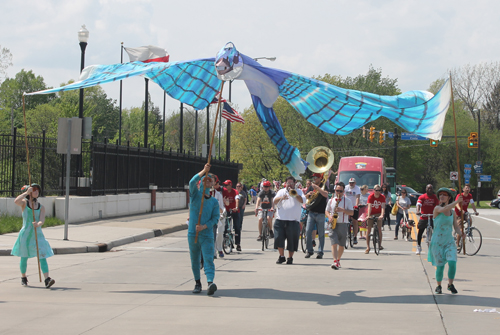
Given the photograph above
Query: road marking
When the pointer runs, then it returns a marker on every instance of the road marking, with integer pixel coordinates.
(480, 217)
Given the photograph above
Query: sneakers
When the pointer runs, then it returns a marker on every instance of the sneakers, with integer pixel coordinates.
(197, 288)
(289, 260)
(211, 289)
(335, 265)
(338, 263)
(438, 289)
(259, 238)
(281, 259)
(308, 255)
(221, 254)
(271, 234)
(452, 289)
(381, 248)
(395, 237)
(419, 250)
(48, 282)
(24, 281)
(238, 248)
(355, 241)
(319, 256)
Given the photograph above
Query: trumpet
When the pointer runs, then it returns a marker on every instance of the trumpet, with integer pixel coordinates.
(292, 192)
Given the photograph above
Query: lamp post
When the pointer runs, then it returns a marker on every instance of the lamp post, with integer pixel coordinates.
(83, 37)
(478, 111)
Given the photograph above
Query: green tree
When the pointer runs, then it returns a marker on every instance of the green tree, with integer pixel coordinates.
(5, 62)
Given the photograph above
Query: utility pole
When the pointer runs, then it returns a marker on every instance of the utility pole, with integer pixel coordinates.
(395, 163)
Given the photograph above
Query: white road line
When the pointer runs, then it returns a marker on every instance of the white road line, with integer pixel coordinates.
(480, 217)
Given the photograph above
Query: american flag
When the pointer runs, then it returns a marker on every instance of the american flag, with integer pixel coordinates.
(230, 114)
(216, 99)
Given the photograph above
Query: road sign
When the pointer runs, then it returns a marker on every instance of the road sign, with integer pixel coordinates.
(479, 163)
(467, 180)
(478, 169)
(390, 134)
(485, 177)
(468, 166)
(454, 175)
(467, 171)
(412, 137)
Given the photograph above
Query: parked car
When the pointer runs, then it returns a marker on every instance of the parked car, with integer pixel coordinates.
(411, 193)
(495, 203)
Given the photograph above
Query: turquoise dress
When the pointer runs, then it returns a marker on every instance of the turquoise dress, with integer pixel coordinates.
(442, 248)
(25, 245)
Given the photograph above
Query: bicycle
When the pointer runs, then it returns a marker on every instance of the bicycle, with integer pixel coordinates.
(428, 230)
(266, 235)
(350, 235)
(303, 221)
(374, 234)
(228, 240)
(406, 227)
(473, 237)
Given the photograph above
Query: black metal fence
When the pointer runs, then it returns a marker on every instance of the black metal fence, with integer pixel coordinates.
(110, 168)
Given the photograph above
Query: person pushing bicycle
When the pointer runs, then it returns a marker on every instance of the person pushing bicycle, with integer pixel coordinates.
(425, 205)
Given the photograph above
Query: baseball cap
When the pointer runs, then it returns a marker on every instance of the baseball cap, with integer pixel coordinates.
(228, 182)
(352, 180)
(319, 175)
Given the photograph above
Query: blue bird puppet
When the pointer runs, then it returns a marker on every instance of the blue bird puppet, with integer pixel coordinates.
(332, 109)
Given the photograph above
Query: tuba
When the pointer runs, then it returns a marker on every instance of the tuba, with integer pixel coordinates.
(320, 160)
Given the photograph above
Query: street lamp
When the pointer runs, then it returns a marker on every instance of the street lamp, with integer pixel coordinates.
(272, 59)
(83, 37)
(478, 111)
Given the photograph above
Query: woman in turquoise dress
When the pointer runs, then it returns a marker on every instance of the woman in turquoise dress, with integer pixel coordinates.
(25, 246)
(442, 248)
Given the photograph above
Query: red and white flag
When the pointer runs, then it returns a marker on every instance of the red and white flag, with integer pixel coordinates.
(216, 99)
(147, 54)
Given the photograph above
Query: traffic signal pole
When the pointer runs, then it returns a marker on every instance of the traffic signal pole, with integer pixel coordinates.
(396, 136)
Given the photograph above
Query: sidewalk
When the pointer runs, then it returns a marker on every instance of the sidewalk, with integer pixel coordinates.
(103, 235)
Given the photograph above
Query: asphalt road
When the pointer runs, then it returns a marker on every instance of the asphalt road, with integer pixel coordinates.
(145, 287)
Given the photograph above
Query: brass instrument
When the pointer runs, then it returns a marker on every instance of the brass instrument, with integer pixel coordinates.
(292, 192)
(320, 160)
(335, 215)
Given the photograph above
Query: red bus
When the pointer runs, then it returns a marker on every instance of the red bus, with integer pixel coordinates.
(366, 170)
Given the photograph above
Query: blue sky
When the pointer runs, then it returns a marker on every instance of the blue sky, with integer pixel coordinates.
(414, 41)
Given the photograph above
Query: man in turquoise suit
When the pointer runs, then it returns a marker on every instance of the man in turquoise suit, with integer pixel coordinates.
(204, 242)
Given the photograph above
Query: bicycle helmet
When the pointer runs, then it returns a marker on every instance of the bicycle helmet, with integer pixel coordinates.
(266, 183)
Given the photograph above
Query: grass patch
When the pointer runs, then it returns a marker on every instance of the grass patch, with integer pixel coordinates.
(12, 224)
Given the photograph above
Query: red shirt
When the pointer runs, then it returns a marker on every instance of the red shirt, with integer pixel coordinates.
(229, 199)
(465, 203)
(427, 204)
(377, 203)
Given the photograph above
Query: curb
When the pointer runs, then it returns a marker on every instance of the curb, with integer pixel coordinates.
(103, 247)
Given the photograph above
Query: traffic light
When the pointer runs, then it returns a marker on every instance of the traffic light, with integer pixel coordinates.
(364, 132)
(434, 143)
(372, 134)
(381, 137)
(473, 140)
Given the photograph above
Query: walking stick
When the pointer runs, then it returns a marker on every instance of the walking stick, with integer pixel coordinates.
(458, 166)
(31, 197)
(209, 158)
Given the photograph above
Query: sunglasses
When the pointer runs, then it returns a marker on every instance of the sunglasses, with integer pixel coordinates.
(339, 191)
(378, 190)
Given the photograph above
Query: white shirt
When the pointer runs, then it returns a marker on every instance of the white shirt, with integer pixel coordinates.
(289, 209)
(345, 203)
(218, 197)
(363, 199)
(351, 193)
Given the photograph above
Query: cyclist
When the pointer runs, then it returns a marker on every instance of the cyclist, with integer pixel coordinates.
(231, 202)
(425, 205)
(376, 206)
(265, 201)
(353, 192)
(467, 199)
(442, 248)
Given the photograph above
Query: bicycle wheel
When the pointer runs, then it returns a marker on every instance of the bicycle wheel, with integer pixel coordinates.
(265, 235)
(473, 241)
(428, 235)
(303, 243)
(227, 244)
(348, 239)
(375, 240)
(351, 235)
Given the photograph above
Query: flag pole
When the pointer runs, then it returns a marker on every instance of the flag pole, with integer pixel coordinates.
(209, 158)
(31, 196)
(458, 164)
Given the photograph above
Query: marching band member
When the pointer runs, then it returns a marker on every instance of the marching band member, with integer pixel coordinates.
(340, 206)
